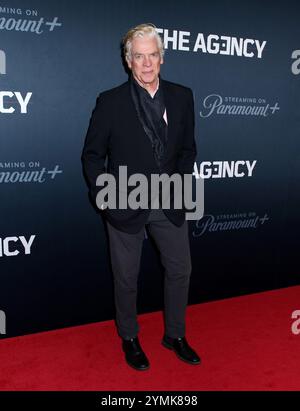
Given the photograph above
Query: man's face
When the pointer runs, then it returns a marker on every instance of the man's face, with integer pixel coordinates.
(146, 61)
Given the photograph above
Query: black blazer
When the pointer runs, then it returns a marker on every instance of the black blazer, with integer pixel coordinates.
(115, 132)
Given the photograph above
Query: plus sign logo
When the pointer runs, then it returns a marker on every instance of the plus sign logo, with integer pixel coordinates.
(53, 172)
(52, 24)
(2, 62)
(264, 219)
(274, 108)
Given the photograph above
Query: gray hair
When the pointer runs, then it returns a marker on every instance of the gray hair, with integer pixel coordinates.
(145, 29)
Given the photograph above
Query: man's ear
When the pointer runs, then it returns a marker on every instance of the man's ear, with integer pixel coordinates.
(162, 60)
(128, 63)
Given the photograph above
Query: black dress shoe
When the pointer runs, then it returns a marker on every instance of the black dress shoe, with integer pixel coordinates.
(181, 349)
(134, 354)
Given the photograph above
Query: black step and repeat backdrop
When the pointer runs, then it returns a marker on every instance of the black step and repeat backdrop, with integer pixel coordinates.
(242, 61)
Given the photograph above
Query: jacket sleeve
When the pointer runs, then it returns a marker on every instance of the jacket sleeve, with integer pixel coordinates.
(96, 144)
(187, 155)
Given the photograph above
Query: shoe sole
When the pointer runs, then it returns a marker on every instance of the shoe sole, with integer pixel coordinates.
(136, 368)
(169, 347)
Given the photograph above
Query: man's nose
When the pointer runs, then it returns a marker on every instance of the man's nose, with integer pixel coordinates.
(147, 61)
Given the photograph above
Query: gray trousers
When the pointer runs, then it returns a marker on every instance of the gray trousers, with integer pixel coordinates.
(174, 249)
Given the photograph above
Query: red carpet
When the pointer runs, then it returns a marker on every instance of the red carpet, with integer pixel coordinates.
(245, 343)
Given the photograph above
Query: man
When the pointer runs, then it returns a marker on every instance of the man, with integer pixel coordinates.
(146, 124)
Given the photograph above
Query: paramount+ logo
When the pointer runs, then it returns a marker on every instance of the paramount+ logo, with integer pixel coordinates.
(12, 101)
(14, 246)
